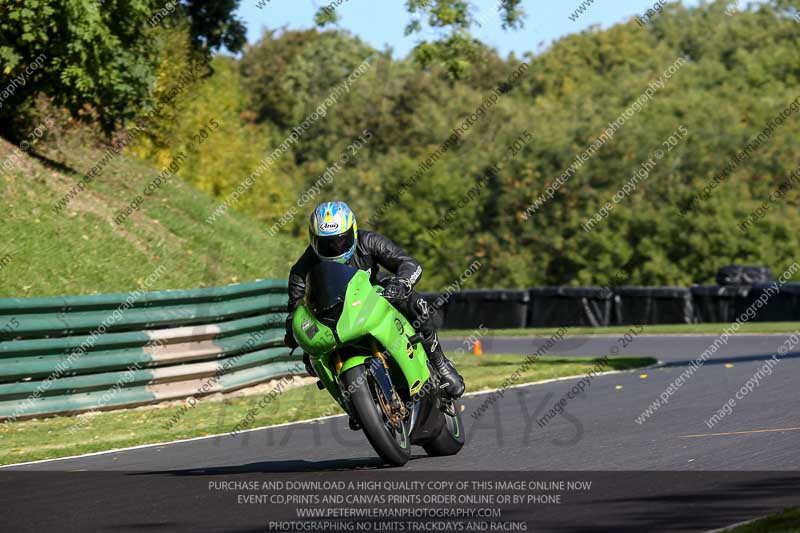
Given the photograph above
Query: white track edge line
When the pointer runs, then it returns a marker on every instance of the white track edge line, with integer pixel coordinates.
(739, 524)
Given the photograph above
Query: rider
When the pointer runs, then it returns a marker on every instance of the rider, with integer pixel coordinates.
(335, 237)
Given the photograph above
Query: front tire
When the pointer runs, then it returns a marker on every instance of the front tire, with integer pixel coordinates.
(391, 443)
(450, 439)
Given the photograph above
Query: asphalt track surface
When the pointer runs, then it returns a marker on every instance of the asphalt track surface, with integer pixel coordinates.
(669, 473)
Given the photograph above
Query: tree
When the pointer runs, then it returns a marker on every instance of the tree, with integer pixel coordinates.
(99, 58)
(455, 49)
(214, 25)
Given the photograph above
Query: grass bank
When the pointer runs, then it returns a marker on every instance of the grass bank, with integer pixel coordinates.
(786, 522)
(78, 247)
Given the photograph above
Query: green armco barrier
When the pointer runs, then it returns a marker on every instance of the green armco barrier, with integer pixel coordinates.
(75, 403)
(244, 378)
(143, 394)
(61, 324)
(134, 375)
(146, 299)
(65, 345)
(156, 346)
(35, 367)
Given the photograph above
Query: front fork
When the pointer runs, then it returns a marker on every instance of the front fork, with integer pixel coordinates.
(389, 400)
(377, 367)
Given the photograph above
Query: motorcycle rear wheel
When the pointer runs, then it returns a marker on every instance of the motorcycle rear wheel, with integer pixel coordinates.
(389, 441)
(450, 439)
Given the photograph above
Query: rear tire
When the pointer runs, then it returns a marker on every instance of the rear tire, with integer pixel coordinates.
(389, 446)
(450, 439)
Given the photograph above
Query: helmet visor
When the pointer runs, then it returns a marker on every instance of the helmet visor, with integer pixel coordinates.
(335, 245)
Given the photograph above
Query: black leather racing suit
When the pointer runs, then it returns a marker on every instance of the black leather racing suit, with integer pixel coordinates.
(373, 251)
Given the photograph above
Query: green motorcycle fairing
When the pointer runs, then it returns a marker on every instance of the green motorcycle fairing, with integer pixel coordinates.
(365, 312)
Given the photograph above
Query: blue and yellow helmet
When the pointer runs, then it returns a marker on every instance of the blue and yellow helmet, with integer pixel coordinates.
(333, 232)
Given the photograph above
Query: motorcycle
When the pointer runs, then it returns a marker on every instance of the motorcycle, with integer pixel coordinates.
(370, 359)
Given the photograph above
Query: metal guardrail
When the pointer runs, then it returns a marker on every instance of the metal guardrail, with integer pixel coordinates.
(65, 355)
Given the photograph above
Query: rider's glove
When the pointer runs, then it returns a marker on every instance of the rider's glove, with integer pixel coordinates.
(397, 289)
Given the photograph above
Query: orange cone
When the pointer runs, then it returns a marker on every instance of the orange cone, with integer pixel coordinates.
(477, 348)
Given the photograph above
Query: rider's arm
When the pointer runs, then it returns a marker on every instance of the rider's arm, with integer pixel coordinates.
(297, 278)
(393, 258)
(297, 284)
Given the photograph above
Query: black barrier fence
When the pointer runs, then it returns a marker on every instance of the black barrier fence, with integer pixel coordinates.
(780, 307)
(620, 306)
(714, 303)
(490, 308)
(570, 306)
(653, 305)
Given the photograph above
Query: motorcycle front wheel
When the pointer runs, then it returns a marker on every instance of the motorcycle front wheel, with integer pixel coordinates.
(390, 441)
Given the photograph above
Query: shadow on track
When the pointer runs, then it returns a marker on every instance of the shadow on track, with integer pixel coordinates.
(713, 502)
(725, 360)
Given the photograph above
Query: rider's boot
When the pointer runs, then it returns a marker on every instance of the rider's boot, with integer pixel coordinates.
(448, 373)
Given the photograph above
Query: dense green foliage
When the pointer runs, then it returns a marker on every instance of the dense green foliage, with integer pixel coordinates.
(738, 72)
(436, 133)
(102, 54)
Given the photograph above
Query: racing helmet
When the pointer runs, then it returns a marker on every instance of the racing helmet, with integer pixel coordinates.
(333, 232)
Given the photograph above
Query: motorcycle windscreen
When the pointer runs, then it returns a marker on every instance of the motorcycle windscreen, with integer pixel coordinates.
(326, 287)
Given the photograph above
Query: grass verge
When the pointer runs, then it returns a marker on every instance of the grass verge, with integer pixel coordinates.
(87, 247)
(787, 521)
(62, 436)
(663, 329)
